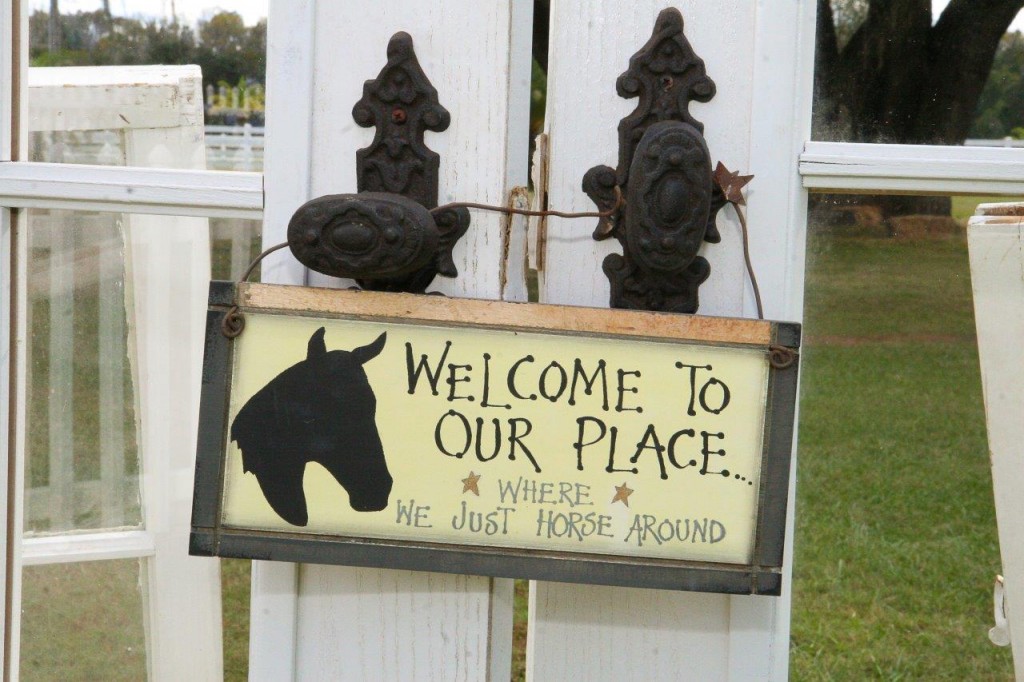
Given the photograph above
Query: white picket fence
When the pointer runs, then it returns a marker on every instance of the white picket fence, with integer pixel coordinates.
(77, 281)
(238, 148)
(234, 147)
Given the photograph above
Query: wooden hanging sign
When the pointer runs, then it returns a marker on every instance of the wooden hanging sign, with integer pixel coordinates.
(518, 440)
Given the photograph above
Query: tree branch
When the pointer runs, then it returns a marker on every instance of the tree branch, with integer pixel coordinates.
(961, 50)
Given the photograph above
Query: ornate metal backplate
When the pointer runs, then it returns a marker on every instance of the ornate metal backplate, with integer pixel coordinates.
(665, 175)
(385, 237)
(402, 104)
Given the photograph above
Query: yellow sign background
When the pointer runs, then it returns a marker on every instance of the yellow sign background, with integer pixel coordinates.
(667, 509)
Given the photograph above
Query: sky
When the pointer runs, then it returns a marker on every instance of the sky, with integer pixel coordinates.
(251, 10)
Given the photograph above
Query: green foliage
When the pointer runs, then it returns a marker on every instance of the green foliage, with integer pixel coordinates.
(61, 58)
(235, 104)
(1000, 111)
(228, 51)
(225, 49)
(538, 98)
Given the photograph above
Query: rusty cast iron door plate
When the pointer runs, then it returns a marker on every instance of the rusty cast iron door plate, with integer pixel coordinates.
(664, 172)
(385, 237)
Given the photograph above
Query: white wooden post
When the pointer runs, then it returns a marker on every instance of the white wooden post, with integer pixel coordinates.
(170, 270)
(996, 242)
(322, 622)
(759, 53)
(13, 69)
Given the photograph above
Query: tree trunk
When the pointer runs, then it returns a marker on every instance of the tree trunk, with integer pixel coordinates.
(961, 49)
(902, 80)
(54, 27)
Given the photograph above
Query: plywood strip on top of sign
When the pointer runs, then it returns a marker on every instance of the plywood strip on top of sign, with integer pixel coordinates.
(532, 316)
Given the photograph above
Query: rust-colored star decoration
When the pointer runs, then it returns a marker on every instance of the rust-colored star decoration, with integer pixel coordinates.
(469, 484)
(731, 184)
(622, 493)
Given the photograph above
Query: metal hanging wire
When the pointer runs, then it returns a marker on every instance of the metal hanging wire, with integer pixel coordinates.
(780, 357)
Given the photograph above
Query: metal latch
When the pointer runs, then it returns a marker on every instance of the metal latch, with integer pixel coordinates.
(660, 202)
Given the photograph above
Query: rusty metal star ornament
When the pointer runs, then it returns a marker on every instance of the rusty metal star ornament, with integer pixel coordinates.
(622, 493)
(469, 484)
(731, 183)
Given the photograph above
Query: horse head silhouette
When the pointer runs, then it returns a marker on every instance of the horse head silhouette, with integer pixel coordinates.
(318, 410)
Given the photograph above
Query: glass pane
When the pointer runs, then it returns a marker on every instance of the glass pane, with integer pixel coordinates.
(83, 622)
(896, 547)
(234, 244)
(80, 112)
(95, 147)
(83, 454)
(903, 72)
(82, 464)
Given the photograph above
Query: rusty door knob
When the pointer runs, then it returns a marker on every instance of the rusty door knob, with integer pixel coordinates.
(384, 241)
(669, 197)
(389, 236)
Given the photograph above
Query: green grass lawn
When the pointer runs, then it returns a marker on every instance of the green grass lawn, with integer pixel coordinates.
(895, 549)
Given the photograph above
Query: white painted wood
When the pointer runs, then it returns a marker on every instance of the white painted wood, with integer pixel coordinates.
(167, 269)
(115, 97)
(996, 247)
(112, 355)
(912, 169)
(363, 623)
(12, 412)
(15, 245)
(63, 549)
(584, 112)
(7, 72)
(777, 209)
(370, 624)
(590, 632)
(164, 191)
(759, 58)
(290, 47)
(512, 279)
(60, 441)
(13, 60)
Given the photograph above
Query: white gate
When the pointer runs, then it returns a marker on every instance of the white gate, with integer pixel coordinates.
(317, 622)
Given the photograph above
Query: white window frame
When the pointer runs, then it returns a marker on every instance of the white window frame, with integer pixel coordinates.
(133, 190)
(911, 169)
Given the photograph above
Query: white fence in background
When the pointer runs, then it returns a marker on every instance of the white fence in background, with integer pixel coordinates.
(234, 148)
(237, 148)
